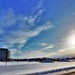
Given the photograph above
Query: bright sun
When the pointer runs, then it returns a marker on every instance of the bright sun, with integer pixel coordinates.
(71, 40)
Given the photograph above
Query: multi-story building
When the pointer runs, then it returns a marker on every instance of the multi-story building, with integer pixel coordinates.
(4, 54)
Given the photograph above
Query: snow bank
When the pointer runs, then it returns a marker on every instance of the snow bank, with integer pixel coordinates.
(19, 68)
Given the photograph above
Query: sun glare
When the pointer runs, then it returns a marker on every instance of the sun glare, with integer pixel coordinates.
(71, 40)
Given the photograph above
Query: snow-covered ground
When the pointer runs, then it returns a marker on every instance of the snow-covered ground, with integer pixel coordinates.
(20, 68)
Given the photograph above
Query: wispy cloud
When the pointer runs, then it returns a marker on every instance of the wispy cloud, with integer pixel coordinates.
(33, 18)
(21, 37)
(65, 52)
(38, 6)
(7, 18)
(73, 14)
(25, 28)
(43, 52)
(42, 44)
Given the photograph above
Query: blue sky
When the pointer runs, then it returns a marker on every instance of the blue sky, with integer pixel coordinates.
(37, 28)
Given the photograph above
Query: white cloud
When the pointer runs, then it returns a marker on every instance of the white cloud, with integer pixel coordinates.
(32, 19)
(7, 18)
(37, 53)
(21, 37)
(66, 52)
(24, 29)
(38, 6)
(46, 51)
(37, 15)
(42, 44)
(48, 47)
(73, 14)
(14, 51)
(31, 54)
(41, 53)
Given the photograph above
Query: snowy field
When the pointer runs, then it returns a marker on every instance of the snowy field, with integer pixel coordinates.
(23, 68)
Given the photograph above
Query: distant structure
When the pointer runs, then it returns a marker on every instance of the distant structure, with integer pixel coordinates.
(4, 54)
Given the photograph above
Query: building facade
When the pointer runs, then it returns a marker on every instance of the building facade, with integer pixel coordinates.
(4, 54)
